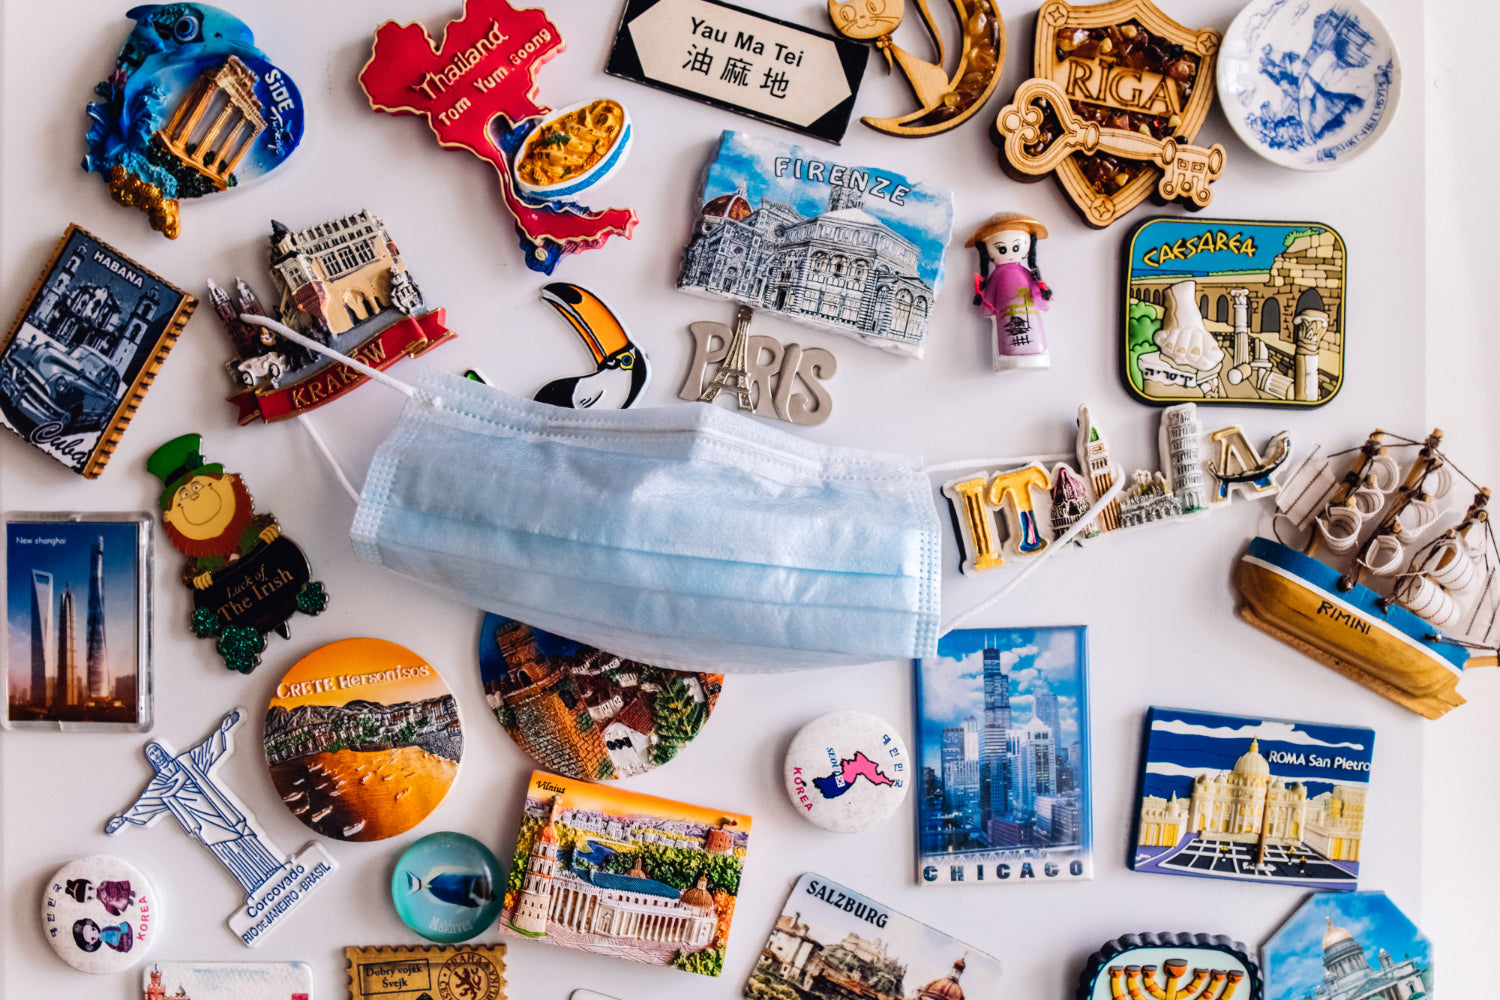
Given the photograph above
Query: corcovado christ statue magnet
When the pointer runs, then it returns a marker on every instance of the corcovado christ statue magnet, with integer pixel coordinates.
(1009, 287)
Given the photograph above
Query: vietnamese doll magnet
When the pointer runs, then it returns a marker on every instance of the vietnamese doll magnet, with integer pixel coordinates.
(363, 739)
(764, 377)
(425, 972)
(1180, 966)
(78, 621)
(846, 771)
(227, 981)
(1010, 290)
(186, 786)
(585, 713)
(1253, 800)
(832, 943)
(854, 250)
(192, 108)
(247, 578)
(342, 282)
(444, 887)
(100, 914)
(1229, 311)
(682, 861)
(1349, 946)
(478, 91)
(620, 368)
(1003, 726)
(83, 350)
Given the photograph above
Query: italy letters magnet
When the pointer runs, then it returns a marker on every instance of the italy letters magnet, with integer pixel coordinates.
(1350, 946)
(444, 887)
(1185, 966)
(100, 914)
(847, 771)
(415, 972)
(227, 981)
(363, 739)
(192, 108)
(247, 578)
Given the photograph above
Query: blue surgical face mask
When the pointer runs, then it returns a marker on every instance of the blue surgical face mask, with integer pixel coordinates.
(685, 536)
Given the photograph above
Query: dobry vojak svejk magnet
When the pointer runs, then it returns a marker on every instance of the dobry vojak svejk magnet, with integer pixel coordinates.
(445, 887)
(227, 981)
(766, 378)
(621, 370)
(1233, 311)
(185, 786)
(342, 282)
(485, 69)
(846, 771)
(84, 349)
(247, 578)
(1178, 966)
(79, 643)
(414, 972)
(191, 108)
(100, 914)
(1342, 946)
(741, 60)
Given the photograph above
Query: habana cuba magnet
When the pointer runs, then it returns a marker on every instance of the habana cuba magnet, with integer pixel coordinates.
(445, 887)
(191, 108)
(765, 377)
(621, 370)
(247, 578)
(100, 914)
(847, 771)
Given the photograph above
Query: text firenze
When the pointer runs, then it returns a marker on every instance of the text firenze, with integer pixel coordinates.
(1001, 872)
(1313, 760)
(835, 175)
(852, 905)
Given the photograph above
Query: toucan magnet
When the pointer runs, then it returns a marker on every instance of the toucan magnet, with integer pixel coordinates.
(620, 368)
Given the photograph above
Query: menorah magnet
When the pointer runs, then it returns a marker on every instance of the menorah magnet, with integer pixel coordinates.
(1171, 967)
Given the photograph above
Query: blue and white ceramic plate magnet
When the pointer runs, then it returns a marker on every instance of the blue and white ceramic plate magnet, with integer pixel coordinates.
(1309, 84)
(444, 887)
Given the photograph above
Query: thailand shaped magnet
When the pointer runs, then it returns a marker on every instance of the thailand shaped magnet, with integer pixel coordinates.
(1178, 966)
(621, 370)
(191, 108)
(246, 577)
(1009, 289)
(477, 90)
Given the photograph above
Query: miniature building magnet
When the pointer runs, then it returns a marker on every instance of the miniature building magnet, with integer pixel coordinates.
(1345, 947)
(1010, 289)
(412, 972)
(363, 739)
(858, 251)
(78, 601)
(764, 377)
(831, 942)
(100, 914)
(1180, 966)
(846, 771)
(227, 981)
(783, 73)
(1309, 86)
(1290, 810)
(444, 887)
(585, 713)
(84, 349)
(621, 370)
(185, 786)
(192, 108)
(683, 861)
(1231, 311)
(247, 578)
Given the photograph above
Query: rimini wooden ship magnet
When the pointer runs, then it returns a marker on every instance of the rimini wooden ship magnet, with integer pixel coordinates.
(945, 99)
(84, 349)
(247, 578)
(1009, 289)
(477, 90)
(412, 972)
(227, 981)
(191, 108)
(857, 251)
(1118, 93)
(763, 376)
(342, 282)
(1392, 577)
(1178, 966)
(615, 872)
(1288, 810)
(1348, 946)
(621, 370)
(1231, 311)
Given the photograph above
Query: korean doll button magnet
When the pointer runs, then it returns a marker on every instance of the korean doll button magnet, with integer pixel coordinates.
(846, 771)
(363, 739)
(100, 914)
(444, 887)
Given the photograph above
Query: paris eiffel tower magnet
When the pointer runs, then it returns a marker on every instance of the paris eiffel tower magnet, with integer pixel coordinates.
(766, 378)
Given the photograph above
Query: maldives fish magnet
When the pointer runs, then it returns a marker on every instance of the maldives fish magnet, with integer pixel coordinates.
(620, 369)
(191, 108)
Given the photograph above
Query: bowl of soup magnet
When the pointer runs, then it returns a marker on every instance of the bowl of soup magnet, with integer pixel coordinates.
(574, 149)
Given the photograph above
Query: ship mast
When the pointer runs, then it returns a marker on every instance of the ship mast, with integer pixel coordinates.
(1429, 459)
(1372, 449)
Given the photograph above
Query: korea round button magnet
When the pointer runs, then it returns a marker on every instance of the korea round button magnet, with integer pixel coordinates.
(100, 914)
(444, 887)
(846, 771)
(363, 739)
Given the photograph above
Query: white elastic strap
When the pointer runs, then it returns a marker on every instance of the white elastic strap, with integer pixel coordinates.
(1003, 463)
(338, 470)
(374, 374)
(1035, 562)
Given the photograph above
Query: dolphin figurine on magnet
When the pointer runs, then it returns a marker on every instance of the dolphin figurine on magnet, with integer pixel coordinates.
(620, 368)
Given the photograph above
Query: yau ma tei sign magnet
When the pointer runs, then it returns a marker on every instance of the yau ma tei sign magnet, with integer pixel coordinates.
(854, 250)
(1253, 800)
(227, 981)
(1003, 719)
(78, 621)
(84, 349)
(741, 60)
(1230, 311)
(1347, 946)
(192, 108)
(1180, 966)
(831, 943)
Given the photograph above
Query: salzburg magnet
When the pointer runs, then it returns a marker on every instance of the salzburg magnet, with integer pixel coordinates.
(247, 578)
(620, 367)
(444, 887)
(192, 108)
(100, 914)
